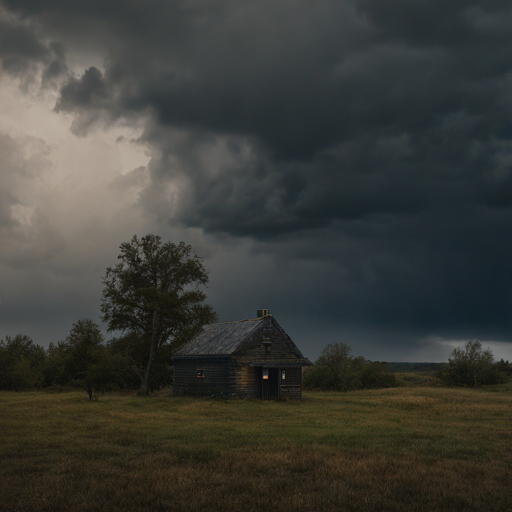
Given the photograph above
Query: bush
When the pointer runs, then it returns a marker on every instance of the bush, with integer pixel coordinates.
(82, 360)
(376, 375)
(337, 370)
(471, 366)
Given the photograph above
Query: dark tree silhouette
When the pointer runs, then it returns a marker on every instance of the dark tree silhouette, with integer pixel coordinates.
(155, 292)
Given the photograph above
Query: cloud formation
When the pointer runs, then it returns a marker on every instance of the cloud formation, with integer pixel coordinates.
(367, 146)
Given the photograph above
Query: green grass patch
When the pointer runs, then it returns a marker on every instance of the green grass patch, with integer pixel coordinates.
(409, 448)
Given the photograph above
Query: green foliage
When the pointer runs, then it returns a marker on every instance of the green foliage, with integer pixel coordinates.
(135, 349)
(84, 349)
(56, 367)
(471, 366)
(505, 368)
(155, 293)
(83, 360)
(21, 363)
(111, 372)
(377, 375)
(336, 369)
(69, 362)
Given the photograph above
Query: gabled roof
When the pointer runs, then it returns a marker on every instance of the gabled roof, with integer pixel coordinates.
(220, 339)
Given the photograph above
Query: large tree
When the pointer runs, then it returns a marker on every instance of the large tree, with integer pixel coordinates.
(156, 292)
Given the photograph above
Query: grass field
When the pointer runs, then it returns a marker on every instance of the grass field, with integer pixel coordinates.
(415, 379)
(403, 449)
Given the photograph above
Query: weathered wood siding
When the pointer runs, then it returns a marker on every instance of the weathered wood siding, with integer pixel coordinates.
(233, 367)
(214, 382)
(243, 378)
(291, 386)
(243, 382)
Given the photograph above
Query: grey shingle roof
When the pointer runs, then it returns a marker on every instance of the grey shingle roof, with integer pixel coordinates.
(220, 339)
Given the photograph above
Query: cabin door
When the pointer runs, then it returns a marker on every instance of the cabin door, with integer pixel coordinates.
(269, 383)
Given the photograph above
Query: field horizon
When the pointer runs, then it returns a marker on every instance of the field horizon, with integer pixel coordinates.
(397, 449)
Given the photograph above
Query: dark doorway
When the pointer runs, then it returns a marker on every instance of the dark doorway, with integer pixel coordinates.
(269, 386)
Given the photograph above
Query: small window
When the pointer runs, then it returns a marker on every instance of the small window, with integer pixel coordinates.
(200, 373)
(283, 375)
(264, 373)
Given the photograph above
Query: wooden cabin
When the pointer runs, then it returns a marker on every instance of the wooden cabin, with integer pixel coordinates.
(244, 359)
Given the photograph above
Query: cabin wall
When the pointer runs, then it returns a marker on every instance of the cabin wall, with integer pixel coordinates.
(215, 380)
(234, 376)
(244, 379)
(291, 385)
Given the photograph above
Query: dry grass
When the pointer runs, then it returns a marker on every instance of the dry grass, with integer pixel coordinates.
(403, 449)
(415, 379)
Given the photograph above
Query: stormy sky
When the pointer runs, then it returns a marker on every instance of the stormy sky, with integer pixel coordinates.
(345, 164)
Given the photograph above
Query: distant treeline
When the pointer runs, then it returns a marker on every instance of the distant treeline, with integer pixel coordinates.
(83, 359)
(414, 367)
(472, 366)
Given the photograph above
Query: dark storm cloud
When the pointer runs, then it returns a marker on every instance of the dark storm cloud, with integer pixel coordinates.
(19, 45)
(340, 103)
(24, 49)
(378, 131)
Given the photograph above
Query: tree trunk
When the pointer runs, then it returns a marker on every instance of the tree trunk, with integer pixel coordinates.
(152, 353)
